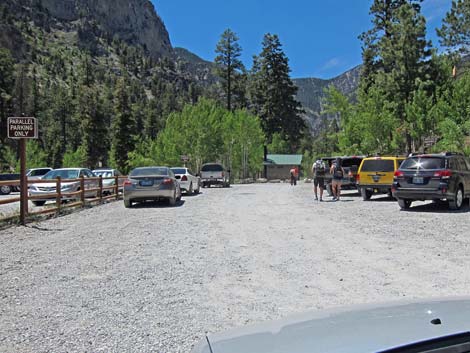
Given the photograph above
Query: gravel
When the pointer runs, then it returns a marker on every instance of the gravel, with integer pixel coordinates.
(156, 278)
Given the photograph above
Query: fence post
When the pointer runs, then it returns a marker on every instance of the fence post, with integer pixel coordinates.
(116, 187)
(82, 190)
(58, 190)
(101, 189)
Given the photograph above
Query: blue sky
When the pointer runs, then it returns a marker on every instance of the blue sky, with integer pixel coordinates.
(318, 36)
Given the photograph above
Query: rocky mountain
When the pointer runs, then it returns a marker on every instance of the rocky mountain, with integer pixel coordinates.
(133, 21)
(311, 93)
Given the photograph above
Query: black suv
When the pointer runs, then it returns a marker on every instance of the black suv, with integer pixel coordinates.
(434, 177)
(350, 165)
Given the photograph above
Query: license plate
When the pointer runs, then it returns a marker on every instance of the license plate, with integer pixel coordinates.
(418, 180)
(146, 183)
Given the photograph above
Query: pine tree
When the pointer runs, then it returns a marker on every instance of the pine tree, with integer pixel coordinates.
(274, 93)
(455, 30)
(123, 127)
(229, 66)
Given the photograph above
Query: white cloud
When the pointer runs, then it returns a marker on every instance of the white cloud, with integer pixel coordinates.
(330, 64)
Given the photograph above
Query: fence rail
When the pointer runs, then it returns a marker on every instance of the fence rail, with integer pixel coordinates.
(89, 191)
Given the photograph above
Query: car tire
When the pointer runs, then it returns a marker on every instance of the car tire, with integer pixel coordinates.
(38, 203)
(190, 190)
(127, 203)
(404, 204)
(172, 200)
(457, 202)
(366, 194)
(198, 190)
(5, 189)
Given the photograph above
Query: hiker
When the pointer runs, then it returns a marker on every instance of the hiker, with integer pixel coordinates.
(293, 178)
(319, 170)
(338, 172)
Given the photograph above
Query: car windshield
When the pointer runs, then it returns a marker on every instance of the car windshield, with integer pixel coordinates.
(149, 171)
(103, 173)
(179, 170)
(212, 168)
(424, 163)
(62, 173)
(378, 165)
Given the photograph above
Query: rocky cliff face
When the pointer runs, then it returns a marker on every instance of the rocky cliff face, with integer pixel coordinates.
(133, 21)
(311, 93)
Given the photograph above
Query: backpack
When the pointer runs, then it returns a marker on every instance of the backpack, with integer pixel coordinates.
(319, 168)
(338, 172)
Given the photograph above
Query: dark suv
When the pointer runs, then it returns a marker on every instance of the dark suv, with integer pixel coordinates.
(350, 165)
(434, 177)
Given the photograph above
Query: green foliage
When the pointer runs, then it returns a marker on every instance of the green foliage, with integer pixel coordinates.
(278, 144)
(36, 157)
(455, 30)
(273, 93)
(74, 158)
(230, 69)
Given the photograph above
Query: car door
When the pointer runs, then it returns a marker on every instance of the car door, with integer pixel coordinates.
(465, 166)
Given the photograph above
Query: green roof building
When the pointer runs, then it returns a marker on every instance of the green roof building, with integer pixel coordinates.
(278, 166)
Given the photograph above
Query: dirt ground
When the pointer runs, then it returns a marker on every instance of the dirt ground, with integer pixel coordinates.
(156, 278)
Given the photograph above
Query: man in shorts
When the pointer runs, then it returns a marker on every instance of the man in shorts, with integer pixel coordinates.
(338, 173)
(319, 170)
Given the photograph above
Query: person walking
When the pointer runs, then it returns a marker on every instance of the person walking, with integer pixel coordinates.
(338, 173)
(318, 170)
(293, 179)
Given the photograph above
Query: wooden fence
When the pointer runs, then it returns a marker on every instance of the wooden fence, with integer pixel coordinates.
(65, 200)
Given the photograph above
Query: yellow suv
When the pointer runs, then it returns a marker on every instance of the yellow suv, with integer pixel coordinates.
(375, 175)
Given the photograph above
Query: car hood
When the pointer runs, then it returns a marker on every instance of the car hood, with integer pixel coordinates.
(347, 330)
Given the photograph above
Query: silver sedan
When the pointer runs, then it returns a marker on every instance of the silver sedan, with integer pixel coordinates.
(151, 183)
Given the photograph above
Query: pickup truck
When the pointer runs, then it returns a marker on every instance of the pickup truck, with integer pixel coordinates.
(214, 174)
(6, 189)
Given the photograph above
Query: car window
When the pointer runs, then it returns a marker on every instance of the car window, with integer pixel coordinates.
(378, 165)
(462, 164)
(178, 170)
(64, 174)
(149, 171)
(212, 168)
(424, 163)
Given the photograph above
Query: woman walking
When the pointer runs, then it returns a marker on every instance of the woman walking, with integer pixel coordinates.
(338, 172)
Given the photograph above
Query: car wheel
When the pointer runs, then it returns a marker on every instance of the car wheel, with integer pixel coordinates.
(5, 189)
(172, 200)
(190, 191)
(178, 199)
(404, 204)
(198, 190)
(127, 203)
(457, 202)
(39, 203)
(366, 194)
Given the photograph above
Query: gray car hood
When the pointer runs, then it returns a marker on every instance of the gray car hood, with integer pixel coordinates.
(370, 328)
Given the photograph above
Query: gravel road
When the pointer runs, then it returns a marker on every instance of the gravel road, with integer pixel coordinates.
(155, 279)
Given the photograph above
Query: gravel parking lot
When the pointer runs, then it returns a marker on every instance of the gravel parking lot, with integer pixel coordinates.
(155, 279)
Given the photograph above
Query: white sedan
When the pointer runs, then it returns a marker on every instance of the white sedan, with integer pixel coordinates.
(189, 183)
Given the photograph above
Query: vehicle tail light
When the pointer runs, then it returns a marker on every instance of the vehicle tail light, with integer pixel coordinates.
(184, 178)
(443, 174)
(127, 182)
(398, 174)
(223, 174)
(167, 181)
(350, 174)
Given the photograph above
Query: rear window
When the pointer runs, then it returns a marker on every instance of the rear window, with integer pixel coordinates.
(178, 170)
(378, 165)
(212, 168)
(424, 163)
(149, 171)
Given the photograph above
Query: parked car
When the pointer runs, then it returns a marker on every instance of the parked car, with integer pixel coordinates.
(151, 183)
(375, 175)
(44, 189)
(7, 189)
(438, 177)
(106, 174)
(350, 165)
(214, 174)
(37, 173)
(189, 183)
(436, 325)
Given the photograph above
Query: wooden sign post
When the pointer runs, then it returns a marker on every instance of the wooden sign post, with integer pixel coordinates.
(22, 128)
